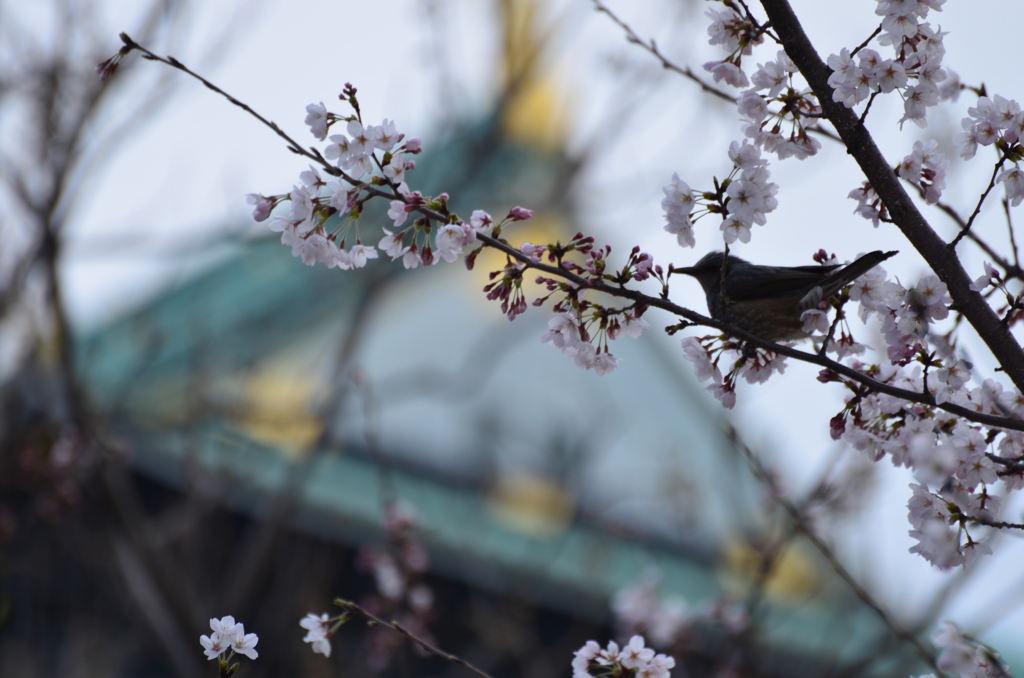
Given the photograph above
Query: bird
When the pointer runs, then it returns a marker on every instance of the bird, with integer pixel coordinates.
(769, 300)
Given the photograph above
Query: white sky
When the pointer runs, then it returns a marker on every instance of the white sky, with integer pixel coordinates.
(188, 169)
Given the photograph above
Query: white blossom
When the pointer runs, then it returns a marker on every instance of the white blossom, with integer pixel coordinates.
(316, 118)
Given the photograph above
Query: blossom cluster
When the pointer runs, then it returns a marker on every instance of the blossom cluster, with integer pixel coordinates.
(926, 168)
(634, 659)
(639, 610)
(228, 636)
(755, 366)
(993, 121)
(581, 328)
(765, 127)
(939, 520)
(397, 569)
(318, 632)
(869, 205)
(998, 121)
(918, 50)
(567, 333)
(370, 161)
(965, 656)
(962, 459)
(744, 198)
(737, 35)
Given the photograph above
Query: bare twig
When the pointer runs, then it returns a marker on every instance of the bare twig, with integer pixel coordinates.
(293, 146)
(981, 200)
(395, 626)
(866, 43)
(651, 47)
(996, 523)
(1009, 227)
(871, 100)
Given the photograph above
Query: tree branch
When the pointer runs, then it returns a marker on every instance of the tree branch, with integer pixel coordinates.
(395, 626)
(981, 201)
(801, 525)
(651, 47)
(940, 257)
(686, 71)
(620, 291)
(698, 319)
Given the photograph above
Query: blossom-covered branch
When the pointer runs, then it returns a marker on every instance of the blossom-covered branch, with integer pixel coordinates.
(940, 257)
(695, 318)
(914, 405)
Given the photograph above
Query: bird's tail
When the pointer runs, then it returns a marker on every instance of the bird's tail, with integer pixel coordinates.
(844, 277)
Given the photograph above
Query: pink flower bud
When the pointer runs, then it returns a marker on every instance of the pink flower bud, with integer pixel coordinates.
(519, 214)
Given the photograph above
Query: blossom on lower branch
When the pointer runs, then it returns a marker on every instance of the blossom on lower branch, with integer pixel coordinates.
(567, 333)
(228, 636)
(965, 656)
(632, 660)
(318, 632)
(706, 352)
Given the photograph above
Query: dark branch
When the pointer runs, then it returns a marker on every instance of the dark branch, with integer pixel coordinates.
(698, 319)
(859, 143)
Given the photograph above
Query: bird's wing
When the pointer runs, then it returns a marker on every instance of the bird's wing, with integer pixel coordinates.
(779, 282)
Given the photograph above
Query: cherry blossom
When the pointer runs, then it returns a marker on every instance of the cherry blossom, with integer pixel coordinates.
(228, 635)
(632, 660)
(316, 118)
(318, 632)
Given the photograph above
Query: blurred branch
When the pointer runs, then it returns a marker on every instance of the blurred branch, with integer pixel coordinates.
(398, 628)
(684, 71)
(254, 555)
(153, 608)
(802, 526)
(651, 47)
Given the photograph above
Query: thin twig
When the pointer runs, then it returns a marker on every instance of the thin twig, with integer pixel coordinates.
(866, 42)
(395, 626)
(832, 330)
(651, 47)
(1009, 226)
(871, 100)
(293, 146)
(981, 200)
(996, 523)
(1012, 270)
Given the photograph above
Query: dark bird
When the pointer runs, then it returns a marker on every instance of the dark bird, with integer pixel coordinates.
(768, 300)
